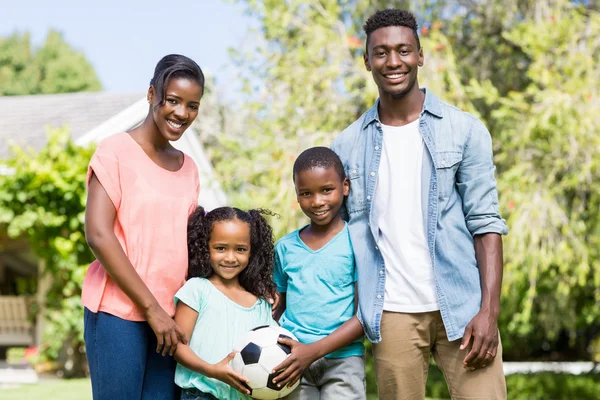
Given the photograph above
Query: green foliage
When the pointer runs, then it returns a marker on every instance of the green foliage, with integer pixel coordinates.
(311, 84)
(547, 385)
(43, 200)
(538, 386)
(55, 67)
(529, 70)
(549, 168)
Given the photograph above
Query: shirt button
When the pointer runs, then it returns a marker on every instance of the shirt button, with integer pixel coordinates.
(353, 171)
(376, 147)
(379, 296)
(381, 272)
(368, 197)
(376, 248)
(372, 173)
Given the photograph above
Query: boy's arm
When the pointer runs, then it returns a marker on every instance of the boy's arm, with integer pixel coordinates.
(303, 355)
(280, 308)
(186, 317)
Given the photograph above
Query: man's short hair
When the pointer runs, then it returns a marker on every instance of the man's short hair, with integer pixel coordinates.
(391, 17)
(315, 157)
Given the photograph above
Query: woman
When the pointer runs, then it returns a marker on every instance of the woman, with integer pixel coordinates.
(141, 191)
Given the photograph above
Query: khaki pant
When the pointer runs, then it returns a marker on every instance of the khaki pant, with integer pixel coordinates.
(402, 360)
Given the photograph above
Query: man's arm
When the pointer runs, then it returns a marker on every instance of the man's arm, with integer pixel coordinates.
(476, 185)
(483, 328)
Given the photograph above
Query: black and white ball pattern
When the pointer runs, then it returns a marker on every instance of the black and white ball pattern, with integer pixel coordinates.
(257, 354)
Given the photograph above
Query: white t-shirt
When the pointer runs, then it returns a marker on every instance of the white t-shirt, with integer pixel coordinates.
(410, 282)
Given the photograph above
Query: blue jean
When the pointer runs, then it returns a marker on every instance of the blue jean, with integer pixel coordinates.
(123, 360)
(195, 394)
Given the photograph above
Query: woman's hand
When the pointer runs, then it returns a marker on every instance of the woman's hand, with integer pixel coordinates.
(223, 372)
(168, 333)
(301, 357)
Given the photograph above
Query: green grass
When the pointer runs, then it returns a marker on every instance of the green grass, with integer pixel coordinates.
(54, 389)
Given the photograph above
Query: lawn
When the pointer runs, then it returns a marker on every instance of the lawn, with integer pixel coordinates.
(52, 389)
(55, 389)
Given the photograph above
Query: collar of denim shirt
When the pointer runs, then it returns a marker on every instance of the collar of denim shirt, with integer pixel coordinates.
(431, 105)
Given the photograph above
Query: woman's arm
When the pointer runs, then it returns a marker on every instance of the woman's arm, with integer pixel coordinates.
(100, 217)
(186, 317)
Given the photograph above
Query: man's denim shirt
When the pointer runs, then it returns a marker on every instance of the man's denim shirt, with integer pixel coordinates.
(459, 200)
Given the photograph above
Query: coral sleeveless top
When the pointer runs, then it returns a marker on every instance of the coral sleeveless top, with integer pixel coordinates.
(153, 205)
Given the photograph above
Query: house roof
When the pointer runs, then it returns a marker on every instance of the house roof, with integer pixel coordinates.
(91, 117)
(24, 119)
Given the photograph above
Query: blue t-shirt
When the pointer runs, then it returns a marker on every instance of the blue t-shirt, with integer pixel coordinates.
(319, 286)
(221, 323)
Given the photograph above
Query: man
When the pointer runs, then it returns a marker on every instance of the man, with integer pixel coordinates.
(423, 218)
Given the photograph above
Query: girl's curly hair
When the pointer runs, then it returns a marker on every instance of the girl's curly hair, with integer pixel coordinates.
(256, 278)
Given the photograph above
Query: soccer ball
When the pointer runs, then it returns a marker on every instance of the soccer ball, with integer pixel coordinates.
(256, 356)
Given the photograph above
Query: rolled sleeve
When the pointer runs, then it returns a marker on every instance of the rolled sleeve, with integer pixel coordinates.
(476, 184)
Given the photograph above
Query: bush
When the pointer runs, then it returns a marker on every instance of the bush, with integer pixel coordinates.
(538, 386)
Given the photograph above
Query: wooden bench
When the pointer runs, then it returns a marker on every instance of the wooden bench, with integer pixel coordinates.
(15, 327)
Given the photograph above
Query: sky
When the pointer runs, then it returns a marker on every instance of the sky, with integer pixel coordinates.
(125, 39)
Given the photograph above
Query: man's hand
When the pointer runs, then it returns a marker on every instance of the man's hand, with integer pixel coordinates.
(302, 356)
(223, 372)
(483, 329)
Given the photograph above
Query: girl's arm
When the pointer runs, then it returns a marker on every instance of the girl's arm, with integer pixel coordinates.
(186, 317)
(100, 215)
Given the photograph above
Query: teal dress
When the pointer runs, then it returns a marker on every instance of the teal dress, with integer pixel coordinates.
(220, 324)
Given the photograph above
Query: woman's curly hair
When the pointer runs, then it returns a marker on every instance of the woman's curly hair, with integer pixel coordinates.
(257, 277)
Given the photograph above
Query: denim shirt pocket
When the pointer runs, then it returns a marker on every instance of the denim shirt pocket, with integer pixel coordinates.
(357, 199)
(447, 163)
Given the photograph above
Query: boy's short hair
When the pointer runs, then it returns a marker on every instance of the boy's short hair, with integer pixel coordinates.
(315, 157)
(391, 17)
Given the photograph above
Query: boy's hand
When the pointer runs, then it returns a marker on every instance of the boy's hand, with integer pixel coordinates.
(223, 372)
(302, 356)
(274, 302)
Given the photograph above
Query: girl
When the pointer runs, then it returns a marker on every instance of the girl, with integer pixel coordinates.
(230, 276)
(141, 191)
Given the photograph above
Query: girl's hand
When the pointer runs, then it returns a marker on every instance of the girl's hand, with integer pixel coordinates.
(302, 356)
(223, 372)
(168, 333)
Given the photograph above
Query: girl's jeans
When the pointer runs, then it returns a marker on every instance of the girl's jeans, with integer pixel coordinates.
(123, 360)
(195, 394)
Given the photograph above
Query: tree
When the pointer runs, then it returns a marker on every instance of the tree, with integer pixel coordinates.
(55, 67)
(305, 84)
(525, 68)
(549, 169)
(43, 200)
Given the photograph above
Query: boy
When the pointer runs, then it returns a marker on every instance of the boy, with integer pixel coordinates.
(315, 278)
